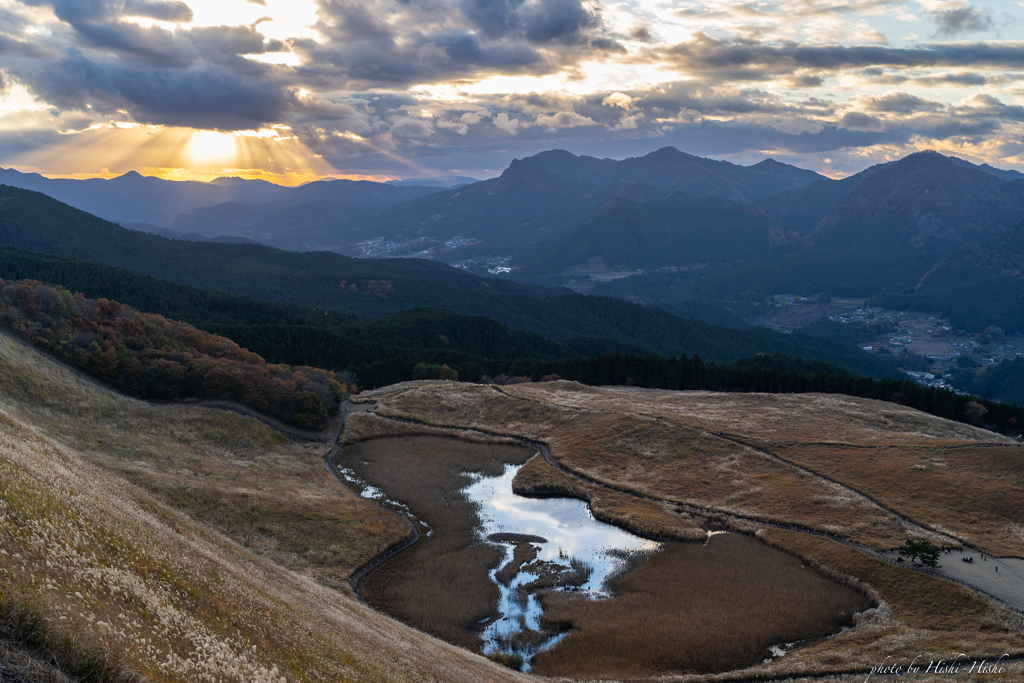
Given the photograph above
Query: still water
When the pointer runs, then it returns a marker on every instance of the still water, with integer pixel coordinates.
(571, 532)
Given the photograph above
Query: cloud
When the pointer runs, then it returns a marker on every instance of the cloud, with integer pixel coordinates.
(503, 122)
(462, 124)
(899, 103)
(539, 21)
(955, 22)
(472, 83)
(161, 10)
(410, 128)
(640, 33)
(205, 98)
(563, 119)
(617, 99)
(861, 122)
(628, 122)
(706, 54)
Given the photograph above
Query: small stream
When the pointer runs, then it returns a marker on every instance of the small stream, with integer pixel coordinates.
(574, 541)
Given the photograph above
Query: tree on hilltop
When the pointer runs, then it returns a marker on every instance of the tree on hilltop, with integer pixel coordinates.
(926, 551)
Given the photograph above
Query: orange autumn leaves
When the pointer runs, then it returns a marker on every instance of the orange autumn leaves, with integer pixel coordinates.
(153, 357)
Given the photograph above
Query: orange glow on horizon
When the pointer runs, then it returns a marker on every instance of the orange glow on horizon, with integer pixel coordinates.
(206, 175)
(111, 150)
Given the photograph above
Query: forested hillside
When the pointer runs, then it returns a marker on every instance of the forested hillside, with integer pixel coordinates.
(676, 230)
(1001, 382)
(375, 288)
(976, 286)
(153, 357)
(802, 209)
(925, 202)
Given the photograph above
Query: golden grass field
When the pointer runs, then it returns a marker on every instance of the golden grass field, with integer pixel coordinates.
(177, 543)
(666, 445)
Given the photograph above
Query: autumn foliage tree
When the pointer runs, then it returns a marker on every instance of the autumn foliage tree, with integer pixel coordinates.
(154, 357)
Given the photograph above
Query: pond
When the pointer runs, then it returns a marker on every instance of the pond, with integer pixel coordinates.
(584, 552)
(541, 579)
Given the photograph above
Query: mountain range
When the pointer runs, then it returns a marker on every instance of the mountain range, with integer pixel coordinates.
(134, 198)
(689, 228)
(373, 288)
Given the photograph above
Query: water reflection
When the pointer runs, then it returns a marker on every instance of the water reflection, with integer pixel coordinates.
(574, 539)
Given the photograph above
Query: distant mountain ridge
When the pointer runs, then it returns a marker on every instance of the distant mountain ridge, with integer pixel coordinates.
(134, 198)
(524, 207)
(923, 202)
(801, 210)
(444, 181)
(674, 170)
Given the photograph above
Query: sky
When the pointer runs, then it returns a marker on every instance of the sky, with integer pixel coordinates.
(295, 90)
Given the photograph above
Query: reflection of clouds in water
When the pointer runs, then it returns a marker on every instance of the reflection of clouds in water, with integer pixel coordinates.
(571, 532)
(565, 522)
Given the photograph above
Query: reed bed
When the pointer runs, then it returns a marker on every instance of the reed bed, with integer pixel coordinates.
(696, 608)
(623, 436)
(441, 584)
(522, 554)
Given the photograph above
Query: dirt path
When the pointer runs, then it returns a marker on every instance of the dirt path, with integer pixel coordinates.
(349, 408)
(1006, 584)
(291, 433)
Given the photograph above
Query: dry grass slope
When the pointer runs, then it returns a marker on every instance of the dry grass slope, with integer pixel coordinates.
(104, 572)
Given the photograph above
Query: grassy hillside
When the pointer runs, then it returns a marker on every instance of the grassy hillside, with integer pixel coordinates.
(163, 543)
(747, 461)
(175, 543)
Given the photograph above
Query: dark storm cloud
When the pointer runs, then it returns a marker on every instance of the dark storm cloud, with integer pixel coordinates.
(15, 48)
(539, 21)
(76, 12)
(954, 22)
(183, 77)
(860, 121)
(207, 98)
(380, 59)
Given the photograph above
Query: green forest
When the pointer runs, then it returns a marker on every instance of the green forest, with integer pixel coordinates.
(615, 325)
